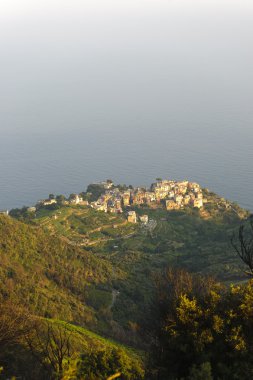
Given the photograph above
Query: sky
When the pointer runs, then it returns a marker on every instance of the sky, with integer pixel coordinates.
(155, 83)
(92, 60)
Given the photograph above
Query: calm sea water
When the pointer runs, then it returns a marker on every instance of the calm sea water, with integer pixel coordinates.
(126, 92)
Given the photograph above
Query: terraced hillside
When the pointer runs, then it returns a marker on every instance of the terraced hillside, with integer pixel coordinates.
(83, 226)
(198, 240)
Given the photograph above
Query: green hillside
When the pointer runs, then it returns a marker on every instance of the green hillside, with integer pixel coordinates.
(197, 240)
(51, 277)
(54, 349)
(96, 271)
(83, 226)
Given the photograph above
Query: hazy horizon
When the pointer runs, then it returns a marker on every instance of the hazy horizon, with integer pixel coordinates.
(131, 90)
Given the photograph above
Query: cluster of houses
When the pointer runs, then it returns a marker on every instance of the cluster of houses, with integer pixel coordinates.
(74, 199)
(173, 194)
(114, 199)
(132, 217)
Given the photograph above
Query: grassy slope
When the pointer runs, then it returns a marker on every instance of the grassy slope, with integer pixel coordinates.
(82, 344)
(86, 340)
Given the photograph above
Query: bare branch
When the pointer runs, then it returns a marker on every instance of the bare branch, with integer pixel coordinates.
(243, 244)
(51, 345)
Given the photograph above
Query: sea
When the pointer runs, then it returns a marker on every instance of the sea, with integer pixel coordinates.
(128, 91)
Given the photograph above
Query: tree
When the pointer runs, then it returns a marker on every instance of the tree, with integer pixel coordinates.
(96, 191)
(15, 324)
(105, 364)
(204, 371)
(60, 199)
(243, 244)
(50, 345)
(199, 321)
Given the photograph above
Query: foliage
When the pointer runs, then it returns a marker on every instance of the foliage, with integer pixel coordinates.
(22, 214)
(204, 371)
(47, 275)
(16, 324)
(199, 321)
(96, 270)
(50, 345)
(96, 191)
(103, 364)
(195, 240)
(53, 349)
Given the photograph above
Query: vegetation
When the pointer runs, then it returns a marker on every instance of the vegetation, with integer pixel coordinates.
(196, 240)
(75, 269)
(51, 277)
(243, 244)
(201, 327)
(95, 190)
(38, 348)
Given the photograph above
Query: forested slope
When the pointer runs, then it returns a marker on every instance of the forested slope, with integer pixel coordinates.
(49, 276)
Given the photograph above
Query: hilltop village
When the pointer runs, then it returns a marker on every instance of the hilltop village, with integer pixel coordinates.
(173, 195)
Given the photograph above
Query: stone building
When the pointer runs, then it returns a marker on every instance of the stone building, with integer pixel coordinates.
(131, 217)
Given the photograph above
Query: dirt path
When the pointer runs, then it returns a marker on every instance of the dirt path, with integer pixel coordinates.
(115, 294)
